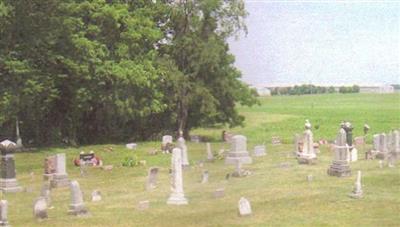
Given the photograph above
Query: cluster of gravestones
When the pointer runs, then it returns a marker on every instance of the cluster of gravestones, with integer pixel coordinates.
(55, 175)
(385, 147)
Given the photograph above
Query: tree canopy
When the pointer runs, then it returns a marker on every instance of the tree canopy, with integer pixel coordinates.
(111, 70)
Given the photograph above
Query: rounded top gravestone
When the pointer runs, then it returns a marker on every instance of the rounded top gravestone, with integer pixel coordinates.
(7, 147)
(239, 143)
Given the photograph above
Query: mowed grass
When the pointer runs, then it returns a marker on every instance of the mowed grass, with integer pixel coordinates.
(278, 190)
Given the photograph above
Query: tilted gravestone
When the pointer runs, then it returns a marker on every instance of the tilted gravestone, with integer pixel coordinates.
(340, 166)
(238, 151)
(152, 178)
(177, 196)
(8, 180)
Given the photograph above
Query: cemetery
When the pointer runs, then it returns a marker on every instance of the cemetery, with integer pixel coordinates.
(267, 185)
(199, 113)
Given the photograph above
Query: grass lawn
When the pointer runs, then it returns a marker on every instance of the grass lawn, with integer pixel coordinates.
(280, 196)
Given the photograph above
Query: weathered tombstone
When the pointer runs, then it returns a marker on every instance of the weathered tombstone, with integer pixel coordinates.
(46, 193)
(96, 196)
(182, 145)
(40, 208)
(276, 140)
(371, 154)
(152, 178)
(259, 151)
(60, 177)
(210, 156)
(383, 146)
(219, 193)
(238, 151)
(177, 196)
(244, 207)
(166, 143)
(357, 192)
(49, 167)
(143, 205)
(307, 154)
(3, 213)
(340, 166)
(131, 146)
(204, 177)
(8, 181)
(77, 207)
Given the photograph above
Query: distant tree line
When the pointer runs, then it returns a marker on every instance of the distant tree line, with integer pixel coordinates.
(307, 89)
(84, 71)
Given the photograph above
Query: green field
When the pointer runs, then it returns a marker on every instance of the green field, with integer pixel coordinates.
(279, 196)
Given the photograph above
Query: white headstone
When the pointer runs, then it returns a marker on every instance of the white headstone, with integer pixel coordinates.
(3, 213)
(357, 192)
(131, 146)
(210, 156)
(40, 208)
(182, 145)
(177, 196)
(238, 151)
(96, 196)
(244, 207)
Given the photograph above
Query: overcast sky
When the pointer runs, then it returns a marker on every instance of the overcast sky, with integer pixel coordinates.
(291, 42)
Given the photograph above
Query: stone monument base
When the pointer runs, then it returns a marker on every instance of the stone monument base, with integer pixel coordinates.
(176, 199)
(59, 181)
(339, 169)
(243, 157)
(9, 185)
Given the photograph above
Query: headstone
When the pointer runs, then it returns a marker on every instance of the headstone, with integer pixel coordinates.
(107, 167)
(238, 151)
(152, 178)
(371, 154)
(60, 177)
(143, 205)
(340, 166)
(8, 181)
(40, 208)
(46, 193)
(244, 207)
(195, 139)
(182, 145)
(357, 192)
(307, 154)
(396, 144)
(4, 213)
(383, 146)
(177, 196)
(49, 167)
(131, 146)
(298, 144)
(276, 140)
(259, 151)
(310, 178)
(210, 156)
(204, 177)
(77, 207)
(166, 143)
(219, 193)
(96, 196)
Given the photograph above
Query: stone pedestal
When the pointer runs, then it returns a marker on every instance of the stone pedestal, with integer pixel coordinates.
(238, 151)
(8, 181)
(340, 166)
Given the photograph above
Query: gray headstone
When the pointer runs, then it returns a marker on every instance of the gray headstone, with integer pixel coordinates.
(259, 151)
(244, 207)
(307, 154)
(60, 177)
(182, 145)
(40, 208)
(177, 196)
(210, 156)
(219, 193)
(152, 178)
(357, 192)
(238, 151)
(340, 166)
(8, 180)
(77, 207)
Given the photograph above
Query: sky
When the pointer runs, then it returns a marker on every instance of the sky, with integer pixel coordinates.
(332, 43)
